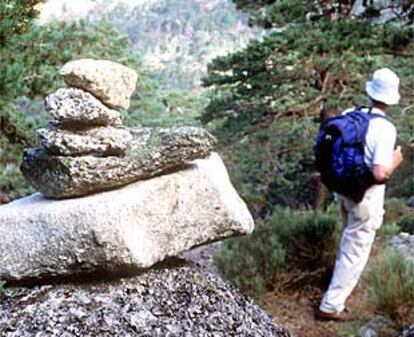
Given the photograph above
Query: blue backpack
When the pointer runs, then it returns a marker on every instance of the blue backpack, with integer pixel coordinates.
(339, 154)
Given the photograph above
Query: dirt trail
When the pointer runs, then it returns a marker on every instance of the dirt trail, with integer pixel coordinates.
(295, 311)
(294, 308)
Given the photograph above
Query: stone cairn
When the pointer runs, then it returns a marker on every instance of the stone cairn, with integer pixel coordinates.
(86, 149)
(138, 221)
(114, 202)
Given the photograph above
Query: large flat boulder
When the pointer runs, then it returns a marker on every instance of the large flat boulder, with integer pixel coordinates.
(134, 226)
(77, 107)
(111, 82)
(150, 153)
(99, 141)
(172, 300)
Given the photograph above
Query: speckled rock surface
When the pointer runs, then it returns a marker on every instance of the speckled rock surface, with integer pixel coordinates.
(75, 106)
(111, 82)
(407, 332)
(385, 10)
(180, 300)
(404, 243)
(152, 152)
(99, 141)
(135, 226)
(203, 256)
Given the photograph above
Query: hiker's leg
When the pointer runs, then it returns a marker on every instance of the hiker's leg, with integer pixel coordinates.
(355, 247)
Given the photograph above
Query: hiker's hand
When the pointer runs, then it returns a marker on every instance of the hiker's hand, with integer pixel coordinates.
(381, 173)
(397, 157)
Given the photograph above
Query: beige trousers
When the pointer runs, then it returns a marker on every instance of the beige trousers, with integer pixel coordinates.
(360, 222)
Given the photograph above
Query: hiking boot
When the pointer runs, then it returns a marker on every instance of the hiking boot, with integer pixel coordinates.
(333, 316)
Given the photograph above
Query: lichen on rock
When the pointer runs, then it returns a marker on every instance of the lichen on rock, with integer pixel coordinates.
(134, 226)
(77, 107)
(150, 153)
(98, 141)
(111, 82)
(175, 299)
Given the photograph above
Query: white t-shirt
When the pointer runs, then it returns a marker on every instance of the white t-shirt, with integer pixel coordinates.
(380, 140)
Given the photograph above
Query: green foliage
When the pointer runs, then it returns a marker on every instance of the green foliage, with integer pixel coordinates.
(165, 109)
(24, 114)
(252, 262)
(30, 70)
(390, 229)
(2, 283)
(406, 223)
(32, 67)
(383, 327)
(270, 13)
(306, 240)
(402, 182)
(16, 17)
(268, 97)
(286, 70)
(395, 210)
(177, 38)
(391, 285)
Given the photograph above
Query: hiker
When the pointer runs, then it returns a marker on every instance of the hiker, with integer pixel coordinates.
(362, 217)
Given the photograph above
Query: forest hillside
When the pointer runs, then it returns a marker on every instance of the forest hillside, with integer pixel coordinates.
(168, 42)
(175, 38)
(265, 100)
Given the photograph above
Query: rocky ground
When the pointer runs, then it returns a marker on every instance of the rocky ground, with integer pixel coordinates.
(294, 308)
(174, 299)
(404, 242)
(203, 257)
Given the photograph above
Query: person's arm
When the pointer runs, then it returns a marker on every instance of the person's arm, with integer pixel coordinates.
(381, 173)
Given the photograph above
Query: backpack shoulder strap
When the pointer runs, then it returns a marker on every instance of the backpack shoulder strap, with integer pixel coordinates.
(370, 113)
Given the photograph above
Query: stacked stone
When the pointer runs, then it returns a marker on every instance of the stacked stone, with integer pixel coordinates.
(86, 149)
(85, 125)
(121, 232)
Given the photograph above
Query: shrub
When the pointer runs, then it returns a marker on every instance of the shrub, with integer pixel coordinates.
(395, 209)
(390, 230)
(305, 239)
(406, 223)
(310, 238)
(391, 285)
(2, 293)
(252, 262)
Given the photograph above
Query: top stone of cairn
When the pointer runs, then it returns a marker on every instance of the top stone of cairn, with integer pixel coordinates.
(111, 82)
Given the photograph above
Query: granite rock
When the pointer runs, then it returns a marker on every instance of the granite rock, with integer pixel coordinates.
(175, 299)
(404, 243)
(99, 141)
(111, 82)
(407, 331)
(150, 153)
(134, 226)
(75, 106)
(386, 11)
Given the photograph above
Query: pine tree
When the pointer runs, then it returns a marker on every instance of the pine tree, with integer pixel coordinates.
(269, 97)
(16, 17)
(31, 59)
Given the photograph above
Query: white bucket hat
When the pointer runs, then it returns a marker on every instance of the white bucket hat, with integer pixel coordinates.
(384, 87)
